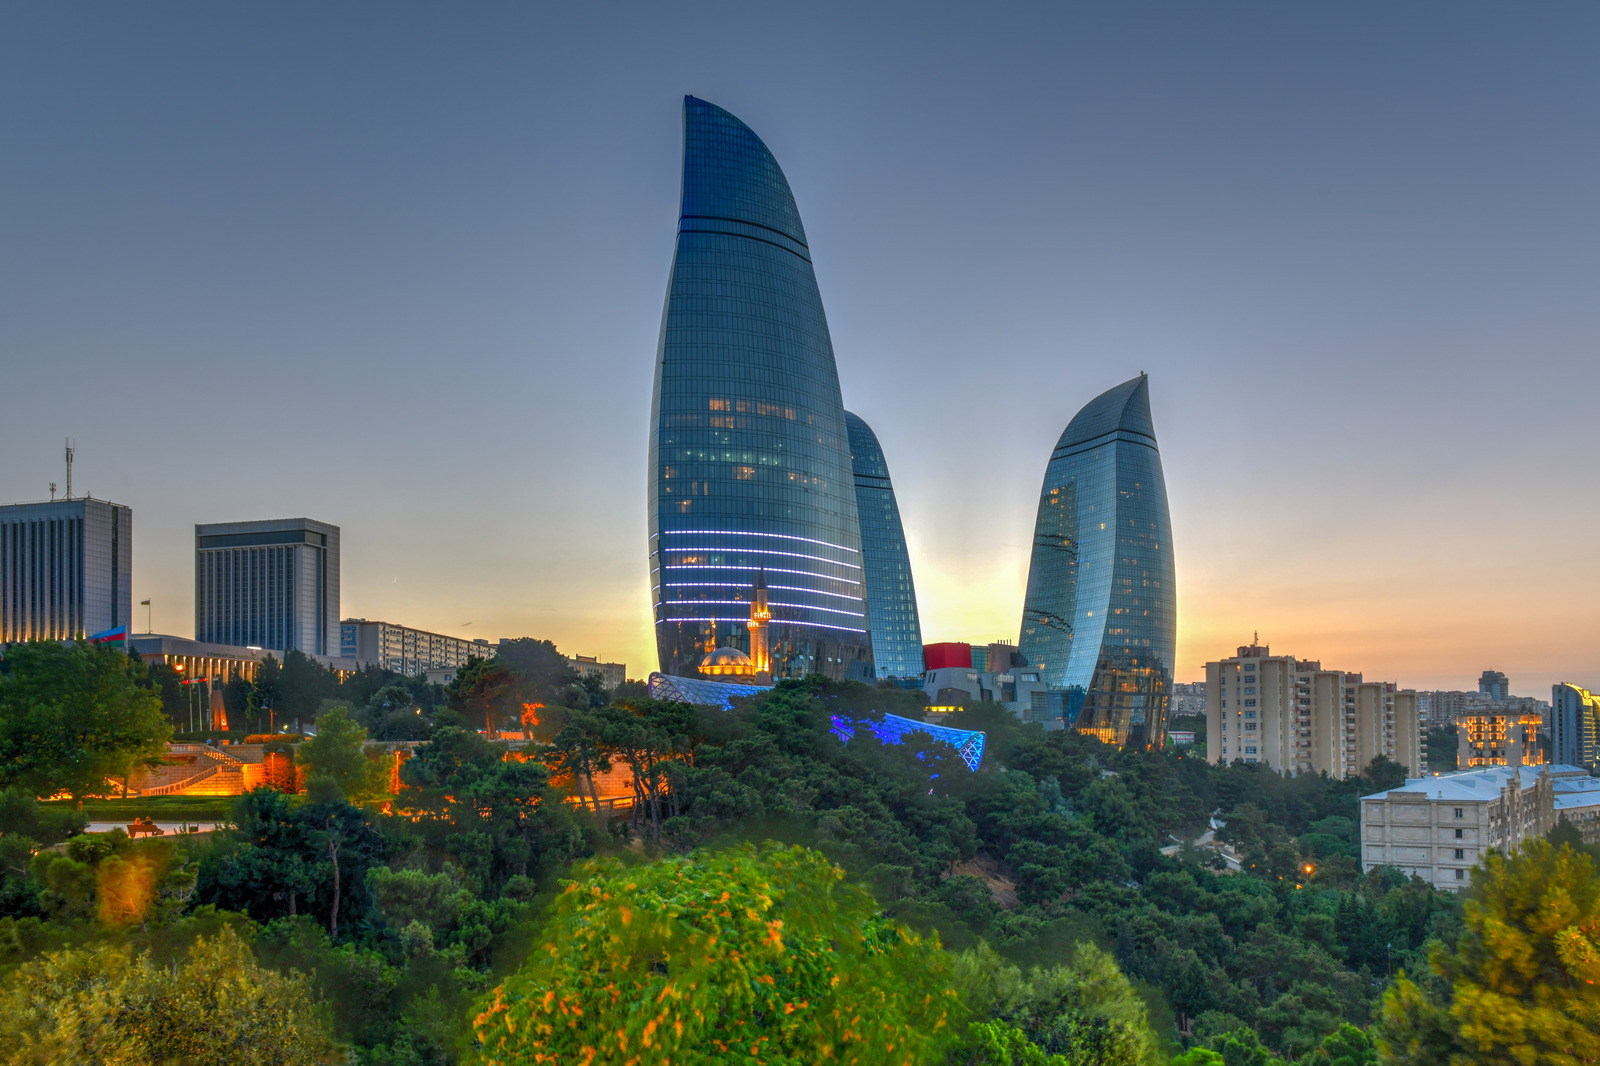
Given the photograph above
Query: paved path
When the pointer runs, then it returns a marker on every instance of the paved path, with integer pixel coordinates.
(169, 827)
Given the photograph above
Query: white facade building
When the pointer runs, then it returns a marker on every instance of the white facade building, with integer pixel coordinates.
(66, 569)
(1438, 828)
(610, 674)
(403, 650)
(272, 584)
(1017, 688)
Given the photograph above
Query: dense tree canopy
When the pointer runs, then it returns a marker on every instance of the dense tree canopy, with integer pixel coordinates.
(736, 956)
(75, 717)
(1523, 983)
(1052, 899)
(110, 1005)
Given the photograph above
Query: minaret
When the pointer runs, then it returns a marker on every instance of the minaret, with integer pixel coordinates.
(760, 616)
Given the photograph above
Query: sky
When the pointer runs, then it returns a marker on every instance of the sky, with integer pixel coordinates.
(400, 267)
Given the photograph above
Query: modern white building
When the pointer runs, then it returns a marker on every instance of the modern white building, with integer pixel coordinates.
(1018, 689)
(1438, 828)
(403, 650)
(272, 584)
(1297, 717)
(66, 569)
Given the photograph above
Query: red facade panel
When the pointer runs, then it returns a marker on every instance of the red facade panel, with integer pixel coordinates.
(948, 654)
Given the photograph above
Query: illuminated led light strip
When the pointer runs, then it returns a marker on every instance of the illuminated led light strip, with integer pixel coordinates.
(775, 621)
(745, 585)
(763, 551)
(742, 533)
(770, 570)
(746, 603)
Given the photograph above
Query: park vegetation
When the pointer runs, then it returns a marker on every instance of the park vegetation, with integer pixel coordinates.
(767, 894)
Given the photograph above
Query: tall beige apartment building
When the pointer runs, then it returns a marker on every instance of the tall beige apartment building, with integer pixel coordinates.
(1296, 717)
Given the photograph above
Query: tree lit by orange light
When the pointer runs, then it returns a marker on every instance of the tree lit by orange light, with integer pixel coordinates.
(530, 715)
(125, 887)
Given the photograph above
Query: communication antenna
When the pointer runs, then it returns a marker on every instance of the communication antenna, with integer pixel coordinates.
(52, 492)
(69, 469)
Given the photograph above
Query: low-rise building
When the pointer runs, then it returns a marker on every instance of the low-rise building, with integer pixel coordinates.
(1019, 689)
(403, 650)
(610, 674)
(1442, 707)
(1439, 828)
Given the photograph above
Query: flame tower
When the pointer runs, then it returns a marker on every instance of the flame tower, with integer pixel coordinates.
(1099, 620)
(750, 470)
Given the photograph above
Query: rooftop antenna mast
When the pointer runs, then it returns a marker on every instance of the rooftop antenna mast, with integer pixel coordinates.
(69, 469)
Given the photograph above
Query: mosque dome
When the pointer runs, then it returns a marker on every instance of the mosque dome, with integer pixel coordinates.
(727, 661)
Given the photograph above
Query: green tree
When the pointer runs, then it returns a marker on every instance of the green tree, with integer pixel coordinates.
(1085, 1011)
(544, 674)
(301, 687)
(1522, 978)
(730, 956)
(336, 761)
(485, 690)
(74, 718)
(263, 702)
(108, 1005)
(491, 809)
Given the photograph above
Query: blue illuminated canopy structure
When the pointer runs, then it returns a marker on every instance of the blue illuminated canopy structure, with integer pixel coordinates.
(718, 694)
(892, 729)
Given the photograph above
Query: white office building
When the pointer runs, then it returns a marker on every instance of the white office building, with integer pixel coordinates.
(271, 584)
(66, 569)
(403, 650)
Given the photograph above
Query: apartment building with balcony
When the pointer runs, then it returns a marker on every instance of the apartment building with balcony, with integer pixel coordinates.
(1297, 717)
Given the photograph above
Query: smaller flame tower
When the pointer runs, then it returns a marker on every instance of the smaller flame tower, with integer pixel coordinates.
(760, 616)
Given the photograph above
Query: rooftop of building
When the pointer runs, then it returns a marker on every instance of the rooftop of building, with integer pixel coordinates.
(1122, 407)
(264, 525)
(1485, 784)
(80, 498)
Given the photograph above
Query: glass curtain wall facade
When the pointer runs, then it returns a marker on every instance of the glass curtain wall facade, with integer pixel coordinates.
(1100, 614)
(1574, 726)
(891, 595)
(749, 463)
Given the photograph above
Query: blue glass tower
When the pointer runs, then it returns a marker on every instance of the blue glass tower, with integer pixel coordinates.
(1099, 619)
(749, 458)
(891, 596)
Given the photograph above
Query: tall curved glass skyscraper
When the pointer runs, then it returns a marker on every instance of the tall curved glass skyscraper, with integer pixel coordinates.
(750, 471)
(891, 596)
(1100, 617)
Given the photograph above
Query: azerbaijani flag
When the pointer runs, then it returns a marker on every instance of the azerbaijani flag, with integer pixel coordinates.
(118, 635)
